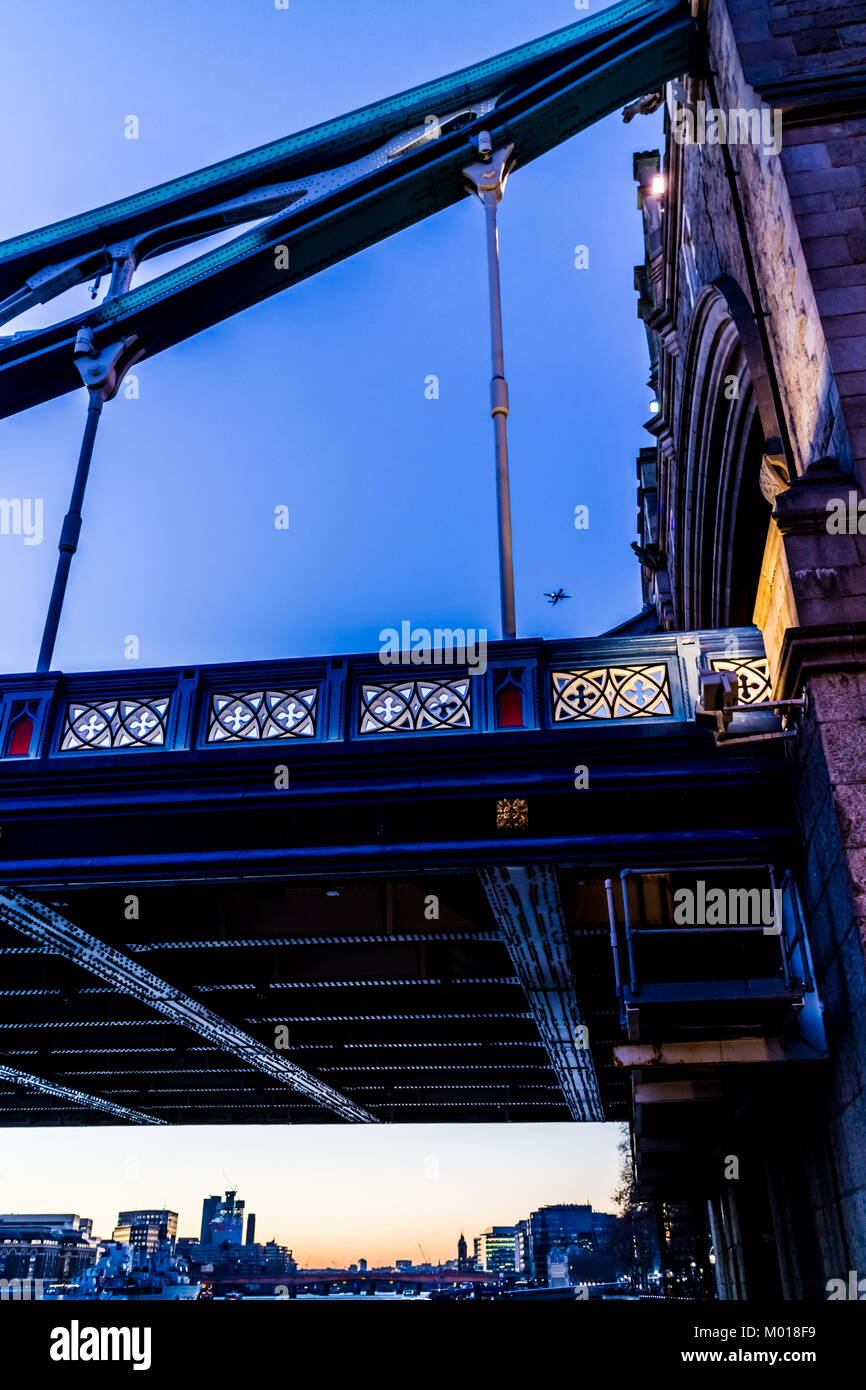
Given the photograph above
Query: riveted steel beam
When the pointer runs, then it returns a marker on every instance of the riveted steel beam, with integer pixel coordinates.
(527, 906)
(82, 1098)
(325, 193)
(50, 927)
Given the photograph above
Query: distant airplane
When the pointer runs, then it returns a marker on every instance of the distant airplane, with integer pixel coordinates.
(555, 598)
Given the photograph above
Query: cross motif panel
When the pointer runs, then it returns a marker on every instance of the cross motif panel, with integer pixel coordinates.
(121, 723)
(416, 706)
(611, 692)
(753, 676)
(262, 714)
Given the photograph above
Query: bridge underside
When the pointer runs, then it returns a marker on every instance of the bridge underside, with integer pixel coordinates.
(400, 927)
(416, 1020)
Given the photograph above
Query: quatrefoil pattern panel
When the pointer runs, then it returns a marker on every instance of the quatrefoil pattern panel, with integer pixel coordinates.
(415, 706)
(120, 723)
(611, 692)
(753, 676)
(262, 714)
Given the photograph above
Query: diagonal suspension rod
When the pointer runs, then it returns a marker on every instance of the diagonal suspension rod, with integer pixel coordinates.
(487, 179)
(69, 533)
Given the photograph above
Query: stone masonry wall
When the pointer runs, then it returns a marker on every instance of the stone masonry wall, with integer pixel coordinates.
(806, 215)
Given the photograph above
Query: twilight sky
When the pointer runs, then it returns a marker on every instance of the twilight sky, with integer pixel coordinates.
(315, 399)
(332, 1193)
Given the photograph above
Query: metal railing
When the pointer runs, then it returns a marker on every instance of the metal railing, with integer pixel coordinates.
(498, 688)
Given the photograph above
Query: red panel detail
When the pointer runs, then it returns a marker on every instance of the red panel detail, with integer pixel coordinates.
(22, 733)
(509, 708)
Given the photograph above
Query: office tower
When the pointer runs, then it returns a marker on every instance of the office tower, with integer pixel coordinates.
(222, 1220)
(208, 1212)
(522, 1248)
(164, 1223)
(558, 1227)
(494, 1250)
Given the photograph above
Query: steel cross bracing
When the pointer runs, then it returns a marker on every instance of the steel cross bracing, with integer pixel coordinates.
(323, 194)
(52, 929)
(527, 906)
(87, 1102)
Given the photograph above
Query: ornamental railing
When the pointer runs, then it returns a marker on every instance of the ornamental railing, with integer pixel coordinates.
(495, 689)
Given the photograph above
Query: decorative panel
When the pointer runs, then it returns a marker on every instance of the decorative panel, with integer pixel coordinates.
(611, 692)
(753, 676)
(416, 706)
(127, 722)
(262, 714)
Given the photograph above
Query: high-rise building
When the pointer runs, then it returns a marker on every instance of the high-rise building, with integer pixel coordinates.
(141, 1235)
(604, 1228)
(251, 1228)
(137, 1224)
(208, 1212)
(522, 1248)
(558, 1227)
(463, 1261)
(222, 1220)
(494, 1250)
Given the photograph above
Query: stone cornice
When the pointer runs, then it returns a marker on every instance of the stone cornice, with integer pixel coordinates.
(817, 98)
(808, 651)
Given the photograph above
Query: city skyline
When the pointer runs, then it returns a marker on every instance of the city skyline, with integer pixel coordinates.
(417, 1190)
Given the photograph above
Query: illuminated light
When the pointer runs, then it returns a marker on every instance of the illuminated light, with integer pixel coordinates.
(654, 407)
(657, 187)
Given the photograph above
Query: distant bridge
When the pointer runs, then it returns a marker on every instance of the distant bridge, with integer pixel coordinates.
(325, 1281)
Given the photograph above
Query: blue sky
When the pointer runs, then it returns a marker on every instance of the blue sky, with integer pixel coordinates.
(316, 400)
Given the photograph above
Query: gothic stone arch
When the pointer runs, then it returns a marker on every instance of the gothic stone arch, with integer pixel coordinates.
(727, 426)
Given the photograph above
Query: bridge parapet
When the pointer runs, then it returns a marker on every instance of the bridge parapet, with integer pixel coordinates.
(529, 685)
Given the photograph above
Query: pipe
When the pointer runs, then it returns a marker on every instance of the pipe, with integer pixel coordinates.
(628, 936)
(614, 941)
(783, 943)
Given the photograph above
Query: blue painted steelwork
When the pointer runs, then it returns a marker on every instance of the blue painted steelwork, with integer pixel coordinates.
(128, 977)
(324, 193)
(780, 977)
(431, 794)
(328, 699)
(309, 858)
(28, 1082)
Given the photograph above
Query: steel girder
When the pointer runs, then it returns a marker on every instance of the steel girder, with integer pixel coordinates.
(50, 928)
(82, 1098)
(527, 906)
(323, 194)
